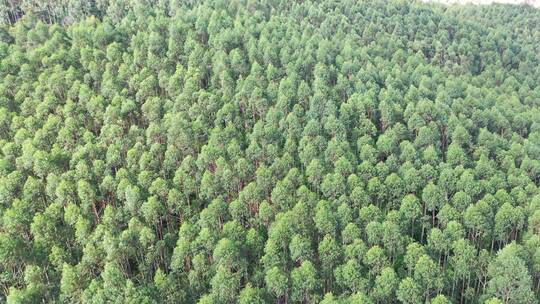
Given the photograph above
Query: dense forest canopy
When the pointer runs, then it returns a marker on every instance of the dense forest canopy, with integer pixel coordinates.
(269, 152)
(534, 3)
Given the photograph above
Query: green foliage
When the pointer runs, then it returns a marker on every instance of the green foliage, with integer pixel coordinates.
(269, 152)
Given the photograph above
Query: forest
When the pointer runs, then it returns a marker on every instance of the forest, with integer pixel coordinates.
(269, 151)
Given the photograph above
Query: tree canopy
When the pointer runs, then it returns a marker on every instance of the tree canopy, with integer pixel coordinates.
(269, 152)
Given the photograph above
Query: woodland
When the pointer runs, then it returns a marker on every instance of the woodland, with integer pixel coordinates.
(272, 151)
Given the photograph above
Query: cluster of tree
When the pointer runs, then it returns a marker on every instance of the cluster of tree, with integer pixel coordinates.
(70, 11)
(270, 152)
